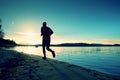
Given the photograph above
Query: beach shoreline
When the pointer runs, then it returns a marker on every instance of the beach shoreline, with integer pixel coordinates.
(20, 66)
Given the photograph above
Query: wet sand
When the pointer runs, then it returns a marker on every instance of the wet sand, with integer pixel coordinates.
(19, 66)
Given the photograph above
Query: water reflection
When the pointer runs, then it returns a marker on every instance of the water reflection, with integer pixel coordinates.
(31, 50)
(75, 50)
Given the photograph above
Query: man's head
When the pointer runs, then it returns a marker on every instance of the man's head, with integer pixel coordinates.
(44, 23)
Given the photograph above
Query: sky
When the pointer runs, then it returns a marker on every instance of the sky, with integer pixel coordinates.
(73, 21)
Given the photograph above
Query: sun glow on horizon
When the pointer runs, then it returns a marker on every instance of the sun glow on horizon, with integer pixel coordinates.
(27, 33)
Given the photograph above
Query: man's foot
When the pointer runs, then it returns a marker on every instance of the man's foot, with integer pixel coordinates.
(53, 53)
(43, 57)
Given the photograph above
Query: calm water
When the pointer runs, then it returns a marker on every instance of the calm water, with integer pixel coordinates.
(104, 59)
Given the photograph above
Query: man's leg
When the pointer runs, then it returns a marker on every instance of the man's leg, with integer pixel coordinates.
(48, 47)
(53, 53)
(44, 52)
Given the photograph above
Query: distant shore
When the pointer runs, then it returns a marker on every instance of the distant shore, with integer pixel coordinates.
(74, 45)
(20, 66)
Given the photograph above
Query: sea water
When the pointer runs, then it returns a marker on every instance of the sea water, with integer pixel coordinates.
(103, 59)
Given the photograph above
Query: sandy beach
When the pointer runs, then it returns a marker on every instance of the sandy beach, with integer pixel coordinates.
(20, 66)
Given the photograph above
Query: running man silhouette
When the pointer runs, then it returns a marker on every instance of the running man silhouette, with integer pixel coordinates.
(46, 32)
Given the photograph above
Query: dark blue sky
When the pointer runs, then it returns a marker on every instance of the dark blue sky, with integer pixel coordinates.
(72, 20)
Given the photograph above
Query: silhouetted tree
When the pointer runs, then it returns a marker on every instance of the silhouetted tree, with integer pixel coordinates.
(5, 42)
(1, 31)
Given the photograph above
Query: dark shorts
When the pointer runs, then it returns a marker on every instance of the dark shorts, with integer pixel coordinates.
(46, 42)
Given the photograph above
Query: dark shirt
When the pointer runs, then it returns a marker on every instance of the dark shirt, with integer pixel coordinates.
(46, 32)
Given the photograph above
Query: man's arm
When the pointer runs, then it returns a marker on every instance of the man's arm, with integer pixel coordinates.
(41, 32)
(51, 31)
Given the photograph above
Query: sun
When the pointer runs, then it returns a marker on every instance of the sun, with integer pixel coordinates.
(28, 33)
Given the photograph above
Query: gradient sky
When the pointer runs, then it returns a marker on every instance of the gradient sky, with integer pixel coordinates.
(91, 21)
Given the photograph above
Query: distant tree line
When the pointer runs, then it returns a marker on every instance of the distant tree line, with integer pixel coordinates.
(5, 42)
